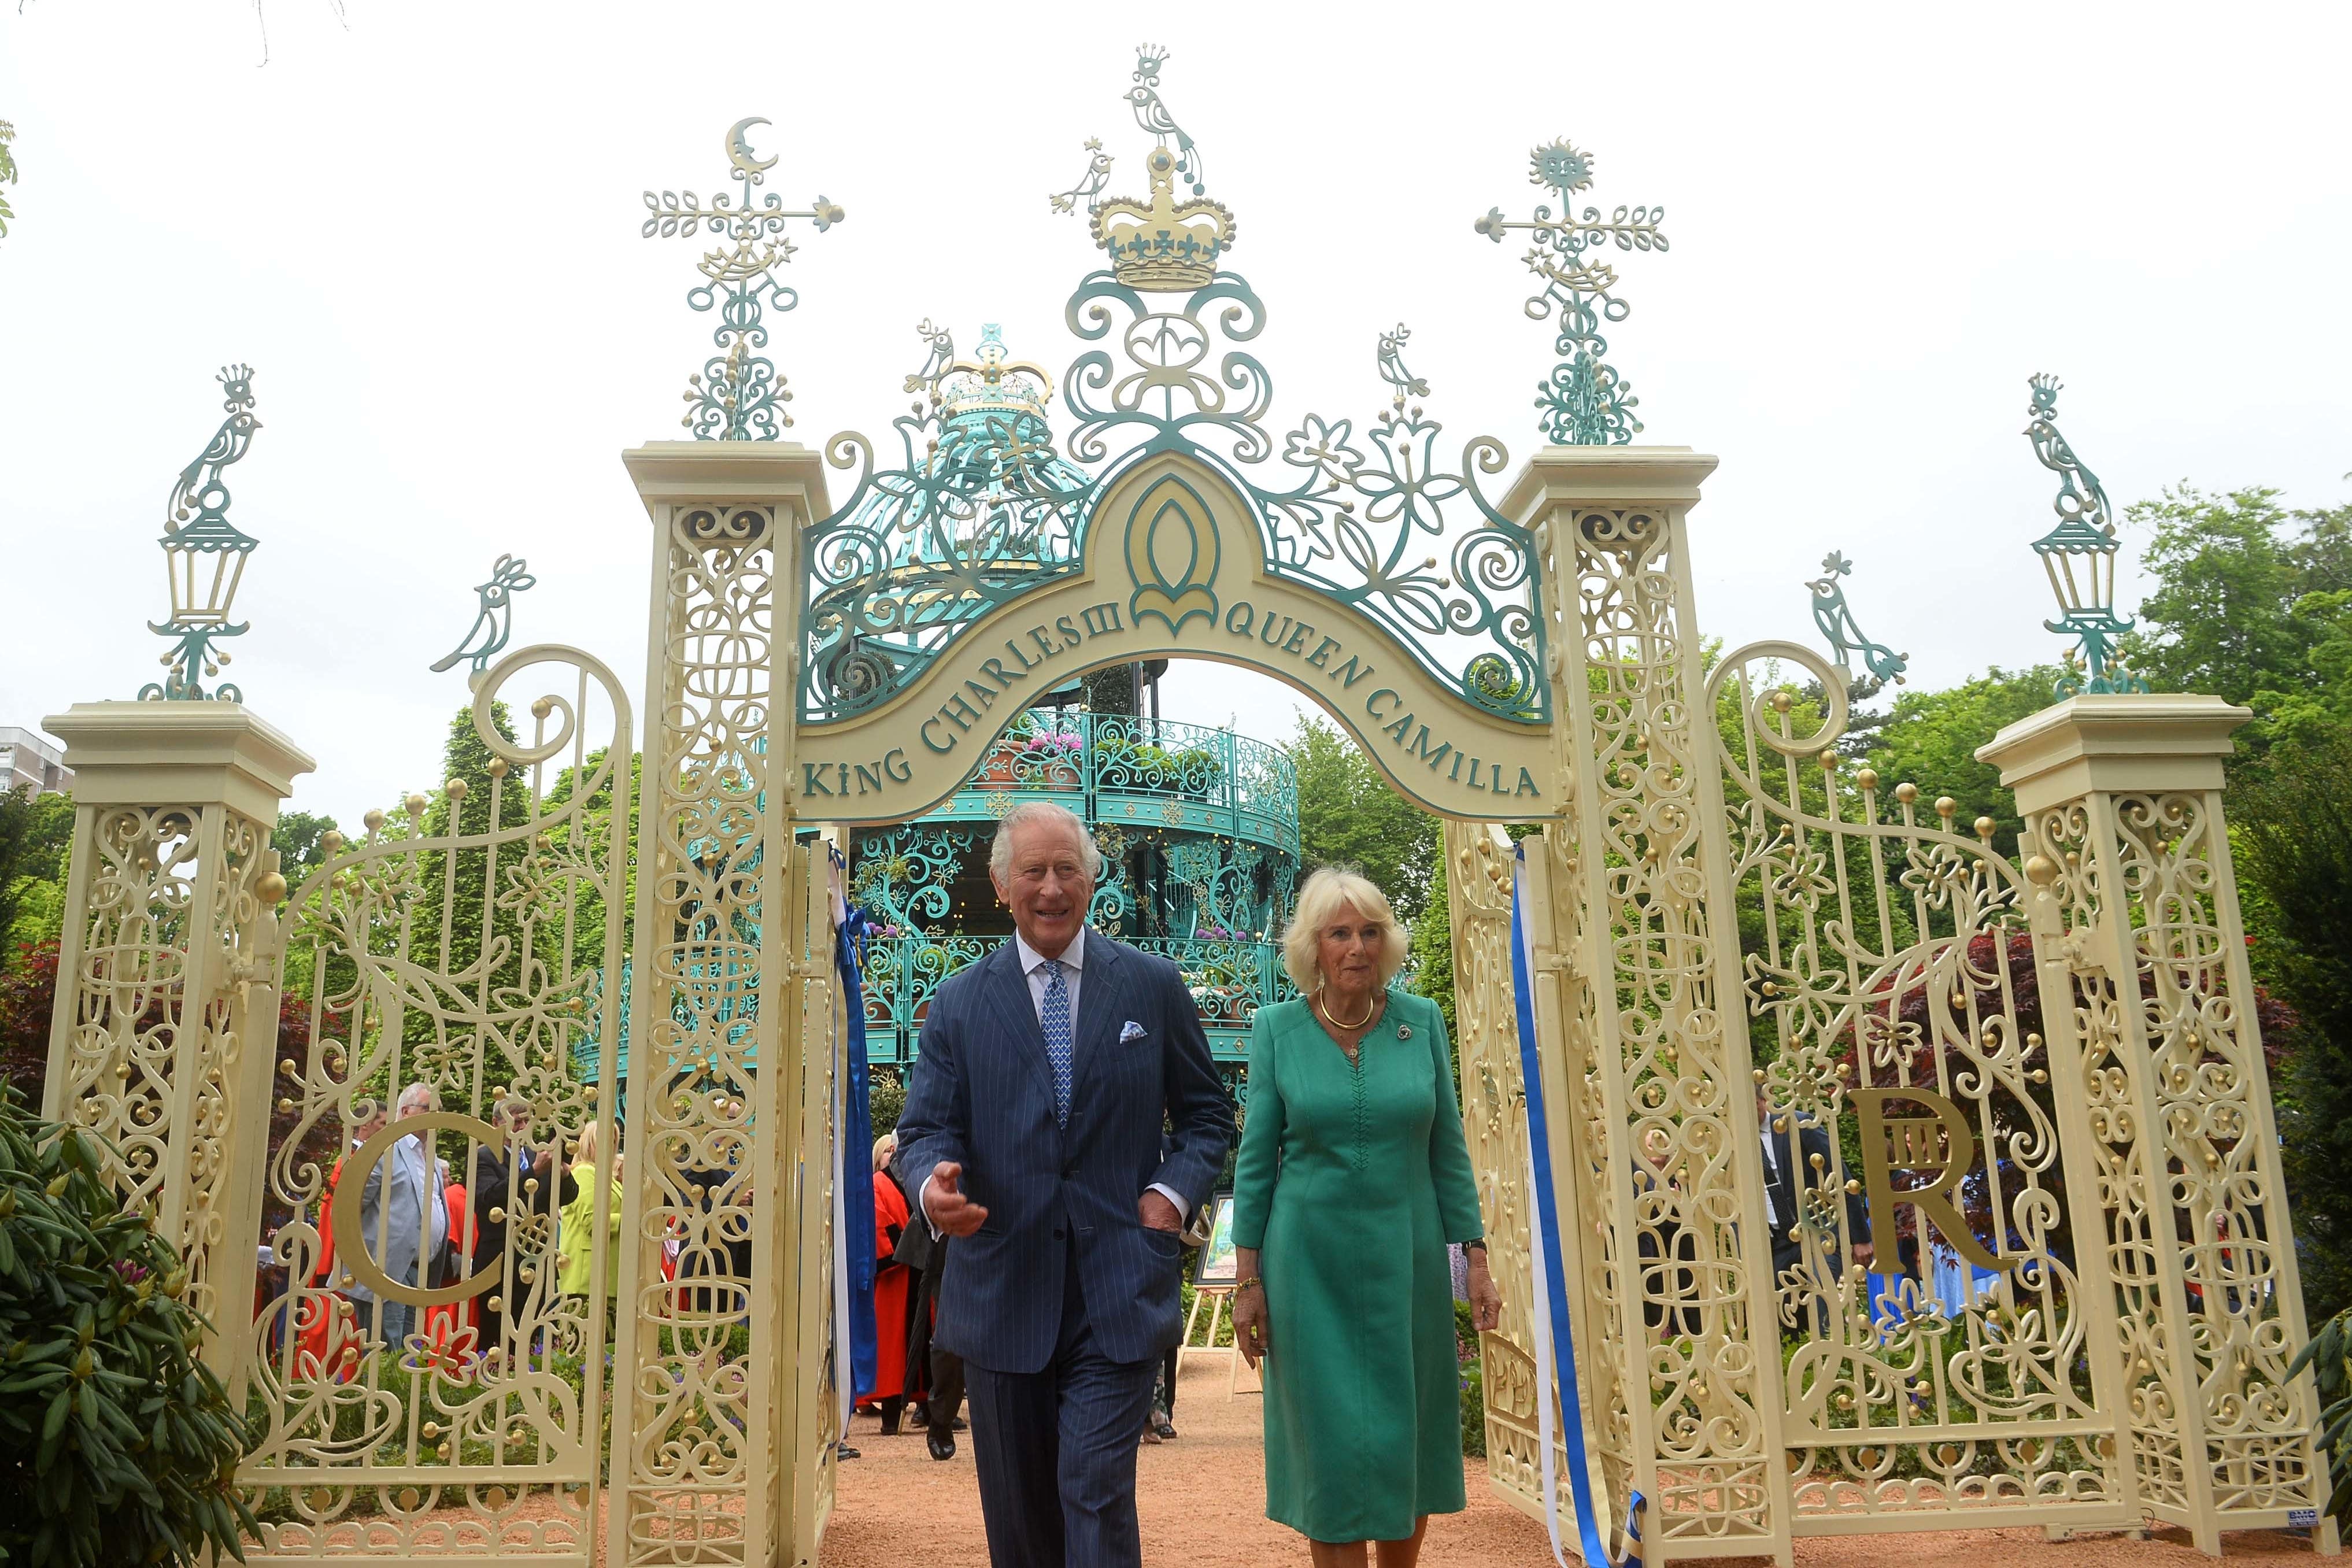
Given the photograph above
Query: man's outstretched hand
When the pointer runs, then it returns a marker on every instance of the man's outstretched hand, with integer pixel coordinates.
(952, 1213)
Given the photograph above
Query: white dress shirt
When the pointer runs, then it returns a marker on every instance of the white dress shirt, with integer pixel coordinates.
(1033, 969)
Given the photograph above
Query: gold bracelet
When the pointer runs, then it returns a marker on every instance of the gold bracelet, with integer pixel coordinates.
(1254, 1280)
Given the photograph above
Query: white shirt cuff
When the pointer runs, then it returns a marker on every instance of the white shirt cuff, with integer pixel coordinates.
(1183, 1209)
(923, 1204)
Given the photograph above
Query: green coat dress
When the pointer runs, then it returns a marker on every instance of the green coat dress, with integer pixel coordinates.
(1351, 1181)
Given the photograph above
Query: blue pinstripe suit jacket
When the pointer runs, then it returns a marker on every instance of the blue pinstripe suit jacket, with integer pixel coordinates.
(983, 1096)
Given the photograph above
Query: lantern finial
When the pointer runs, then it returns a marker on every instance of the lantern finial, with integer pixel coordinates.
(2080, 556)
(204, 555)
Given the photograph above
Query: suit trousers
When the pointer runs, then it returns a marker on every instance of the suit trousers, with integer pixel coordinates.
(1055, 1451)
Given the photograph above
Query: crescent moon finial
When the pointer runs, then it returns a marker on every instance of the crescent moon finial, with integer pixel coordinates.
(739, 152)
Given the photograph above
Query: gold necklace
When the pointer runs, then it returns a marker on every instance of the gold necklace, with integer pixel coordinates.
(1335, 1023)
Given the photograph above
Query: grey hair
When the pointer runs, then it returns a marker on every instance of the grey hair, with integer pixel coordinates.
(1000, 851)
(427, 1097)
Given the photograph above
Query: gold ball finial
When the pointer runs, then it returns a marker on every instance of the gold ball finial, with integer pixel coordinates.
(1866, 780)
(1985, 825)
(1906, 792)
(416, 805)
(1946, 806)
(500, 767)
(374, 820)
(454, 789)
(542, 708)
(2041, 871)
(329, 841)
(271, 888)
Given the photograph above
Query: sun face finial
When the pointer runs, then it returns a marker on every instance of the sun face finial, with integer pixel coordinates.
(1558, 163)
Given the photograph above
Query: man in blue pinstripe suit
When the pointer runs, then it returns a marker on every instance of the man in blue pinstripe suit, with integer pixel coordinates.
(1049, 1072)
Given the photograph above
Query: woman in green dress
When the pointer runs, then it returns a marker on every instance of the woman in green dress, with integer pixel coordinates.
(1353, 1176)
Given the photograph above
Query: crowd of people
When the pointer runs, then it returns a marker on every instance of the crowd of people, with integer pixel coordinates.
(427, 1226)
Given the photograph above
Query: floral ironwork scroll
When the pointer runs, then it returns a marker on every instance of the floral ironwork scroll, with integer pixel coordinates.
(424, 1401)
(980, 507)
(1946, 1351)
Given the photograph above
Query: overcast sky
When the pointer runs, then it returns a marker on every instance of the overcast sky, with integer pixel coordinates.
(419, 224)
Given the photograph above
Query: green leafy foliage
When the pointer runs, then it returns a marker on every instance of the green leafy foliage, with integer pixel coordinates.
(1931, 738)
(36, 834)
(118, 1444)
(2251, 604)
(299, 839)
(8, 170)
(1349, 815)
(2296, 827)
(1473, 1382)
(2329, 1358)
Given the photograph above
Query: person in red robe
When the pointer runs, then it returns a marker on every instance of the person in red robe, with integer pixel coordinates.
(888, 1395)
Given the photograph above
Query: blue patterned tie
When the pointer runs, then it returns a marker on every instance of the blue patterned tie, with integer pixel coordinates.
(1055, 1018)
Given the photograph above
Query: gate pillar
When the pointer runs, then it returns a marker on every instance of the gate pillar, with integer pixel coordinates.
(708, 1428)
(2136, 901)
(166, 1008)
(1637, 957)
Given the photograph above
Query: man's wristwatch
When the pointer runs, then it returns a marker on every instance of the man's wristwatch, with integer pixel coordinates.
(1470, 1247)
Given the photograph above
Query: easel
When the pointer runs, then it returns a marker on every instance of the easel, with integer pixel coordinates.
(1218, 1298)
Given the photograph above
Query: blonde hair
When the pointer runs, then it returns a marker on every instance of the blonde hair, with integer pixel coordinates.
(884, 1147)
(585, 1153)
(1326, 892)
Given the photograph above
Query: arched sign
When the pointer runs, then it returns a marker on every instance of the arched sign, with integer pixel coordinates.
(1175, 565)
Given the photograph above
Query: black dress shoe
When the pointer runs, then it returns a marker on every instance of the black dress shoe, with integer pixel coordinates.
(919, 1415)
(940, 1444)
(961, 1425)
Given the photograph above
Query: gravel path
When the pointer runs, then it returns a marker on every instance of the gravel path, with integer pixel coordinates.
(1202, 1499)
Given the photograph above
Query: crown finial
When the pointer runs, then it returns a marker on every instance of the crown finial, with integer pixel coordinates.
(991, 383)
(1161, 246)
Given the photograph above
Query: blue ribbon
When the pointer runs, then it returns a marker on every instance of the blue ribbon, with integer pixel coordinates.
(1563, 1352)
(858, 1168)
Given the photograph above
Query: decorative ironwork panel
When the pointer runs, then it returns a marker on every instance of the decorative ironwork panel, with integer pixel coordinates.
(428, 1388)
(979, 507)
(1644, 863)
(1494, 1119)
(1937, 1321)
(2199, 1239)
(695, 1465)
(149, 1048)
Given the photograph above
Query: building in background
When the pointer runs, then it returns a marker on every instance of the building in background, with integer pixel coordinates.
(27, 759)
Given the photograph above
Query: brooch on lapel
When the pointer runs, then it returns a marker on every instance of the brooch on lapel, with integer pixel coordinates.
(1404, 1031)
(1132, 1030)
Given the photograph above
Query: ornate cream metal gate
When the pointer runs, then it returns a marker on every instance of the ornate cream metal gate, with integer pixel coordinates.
(1888, 952)
(454, 966)
(727, 1410)
(1712, 888)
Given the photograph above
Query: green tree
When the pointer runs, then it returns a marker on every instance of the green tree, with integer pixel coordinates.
(1931, 738)
(2249, 606)
(35, 836)
(8, 170)
(448, 936)
(299, 840)
(1349, 815)
(1433, 942)
(2294, 821)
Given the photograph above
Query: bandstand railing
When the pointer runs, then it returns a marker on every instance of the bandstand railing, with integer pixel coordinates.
(1230, 981)
(1117, 769)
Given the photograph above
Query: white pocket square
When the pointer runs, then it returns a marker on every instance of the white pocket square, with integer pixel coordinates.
(1132, 1030)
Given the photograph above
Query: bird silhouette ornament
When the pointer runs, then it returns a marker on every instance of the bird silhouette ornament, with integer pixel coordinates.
(1153, 114)
(494, 620)
(1835, 618)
